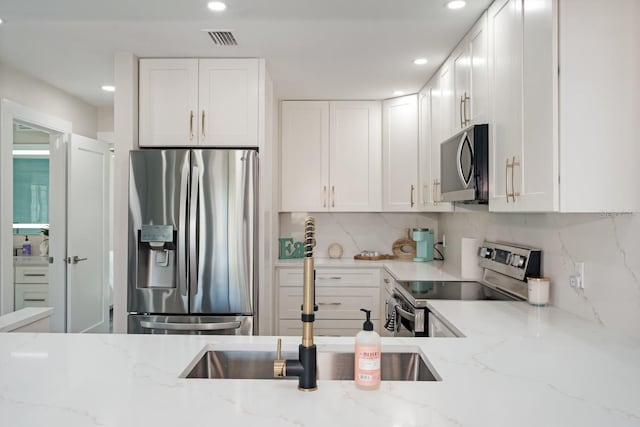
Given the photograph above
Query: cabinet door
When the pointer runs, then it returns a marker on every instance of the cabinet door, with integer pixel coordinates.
(400, 153)
(505, 77)
(447, 123)
(168, 102)
(355, 151)
(304, 150)
(461, 63)
(429, 148)
(228, 101)
(477, 106)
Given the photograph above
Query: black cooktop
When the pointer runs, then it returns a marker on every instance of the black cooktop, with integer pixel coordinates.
(417, 293)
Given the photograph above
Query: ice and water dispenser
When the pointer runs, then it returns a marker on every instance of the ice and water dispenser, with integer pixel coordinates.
(157, 256)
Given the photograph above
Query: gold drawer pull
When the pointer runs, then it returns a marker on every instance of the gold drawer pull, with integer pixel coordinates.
(330, 303)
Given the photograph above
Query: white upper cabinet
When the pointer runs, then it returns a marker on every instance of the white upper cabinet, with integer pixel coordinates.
(168, 102)
(400, 154)
(429, 148)
(330, 153)
(562, 130)
(304, 154)
(470, 82)
(199, 102)
(355, 156)
(228, 100)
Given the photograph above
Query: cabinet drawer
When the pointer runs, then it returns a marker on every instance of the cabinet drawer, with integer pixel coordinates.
(331, 277)
(32, 274)
(31, 296)
(326, 328)
(333, 303)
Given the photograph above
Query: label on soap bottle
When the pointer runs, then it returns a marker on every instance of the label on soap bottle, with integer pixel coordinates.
(367, 366)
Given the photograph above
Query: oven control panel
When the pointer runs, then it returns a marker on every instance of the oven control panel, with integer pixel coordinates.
(518, 262)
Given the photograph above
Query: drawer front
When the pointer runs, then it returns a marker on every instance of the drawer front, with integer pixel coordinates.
(32, 274)
(323, 328)
(31, 296)
(327, 277)
(333, 303)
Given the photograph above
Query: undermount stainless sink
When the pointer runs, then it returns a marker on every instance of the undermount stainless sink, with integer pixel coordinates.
(332, 365)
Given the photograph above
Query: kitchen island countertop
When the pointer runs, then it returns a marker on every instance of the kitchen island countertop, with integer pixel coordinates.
(517, 366)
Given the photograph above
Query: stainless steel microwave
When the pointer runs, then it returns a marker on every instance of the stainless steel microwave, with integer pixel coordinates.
(464, 166)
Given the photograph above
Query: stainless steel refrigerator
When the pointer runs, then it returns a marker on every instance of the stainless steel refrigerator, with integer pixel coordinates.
(192, 241)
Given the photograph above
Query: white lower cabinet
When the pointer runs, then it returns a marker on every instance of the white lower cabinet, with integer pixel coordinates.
(340, 294)
(31, 287)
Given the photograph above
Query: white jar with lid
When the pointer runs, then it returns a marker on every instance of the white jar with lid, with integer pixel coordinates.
(538, 290)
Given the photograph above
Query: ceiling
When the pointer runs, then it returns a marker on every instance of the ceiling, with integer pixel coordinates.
(322, 49)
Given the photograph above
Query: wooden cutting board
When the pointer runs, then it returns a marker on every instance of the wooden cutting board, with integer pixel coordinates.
(373, 258)
(405, 248)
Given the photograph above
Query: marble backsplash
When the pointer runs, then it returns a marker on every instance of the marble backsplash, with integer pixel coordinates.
(356, 232)
(609, 246)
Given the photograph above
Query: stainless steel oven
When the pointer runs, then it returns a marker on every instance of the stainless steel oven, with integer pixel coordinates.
(506, 268)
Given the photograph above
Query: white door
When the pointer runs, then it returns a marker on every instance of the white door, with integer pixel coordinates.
(87, 235)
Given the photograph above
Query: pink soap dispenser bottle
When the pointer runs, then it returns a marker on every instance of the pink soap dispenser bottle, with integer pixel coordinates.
(367, 356)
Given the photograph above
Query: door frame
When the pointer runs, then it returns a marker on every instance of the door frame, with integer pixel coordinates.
(10, 111)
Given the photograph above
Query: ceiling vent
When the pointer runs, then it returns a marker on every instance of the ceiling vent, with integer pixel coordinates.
(222, 37)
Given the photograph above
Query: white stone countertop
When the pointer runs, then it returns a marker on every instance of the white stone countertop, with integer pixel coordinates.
(30, 260)
(22, 317)
(400, 269)
(517, 366)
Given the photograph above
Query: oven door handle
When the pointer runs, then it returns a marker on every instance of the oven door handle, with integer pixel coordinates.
(405, 314)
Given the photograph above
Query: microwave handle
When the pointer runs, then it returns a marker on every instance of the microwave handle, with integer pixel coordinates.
(458, 161)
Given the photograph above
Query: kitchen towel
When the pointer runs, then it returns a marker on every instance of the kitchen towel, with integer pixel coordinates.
(469, 268)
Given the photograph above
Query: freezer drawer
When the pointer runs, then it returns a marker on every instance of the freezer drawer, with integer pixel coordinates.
(190, 325)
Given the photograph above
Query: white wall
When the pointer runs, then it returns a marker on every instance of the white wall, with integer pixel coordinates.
(105, 119)
(40, 96)
(609, 245)
(356, 231)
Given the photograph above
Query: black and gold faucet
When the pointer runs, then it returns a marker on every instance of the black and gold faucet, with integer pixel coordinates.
(305, 367)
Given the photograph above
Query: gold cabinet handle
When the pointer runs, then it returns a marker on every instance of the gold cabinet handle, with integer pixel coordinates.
(514, 193)
(462, 111)
(465, 107)
(425, 195)
(436, 193)
(203, 132)
(324, 196)
(329, 303)
(506, 180)
(333, 196)
(191, 125)
(412, 190)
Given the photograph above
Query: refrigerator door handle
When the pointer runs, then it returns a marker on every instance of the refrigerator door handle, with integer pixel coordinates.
(183, 276)
(193, 230)
(168, 326)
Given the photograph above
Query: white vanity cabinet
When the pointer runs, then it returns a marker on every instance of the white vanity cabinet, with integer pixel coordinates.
(199, 102)
(554, 145)
(340, 294)
(31, 286)
(330, 156)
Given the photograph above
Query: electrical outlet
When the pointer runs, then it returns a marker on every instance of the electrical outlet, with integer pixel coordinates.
(576, 280)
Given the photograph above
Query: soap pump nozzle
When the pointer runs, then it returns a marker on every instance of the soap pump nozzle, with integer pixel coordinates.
(367, 325)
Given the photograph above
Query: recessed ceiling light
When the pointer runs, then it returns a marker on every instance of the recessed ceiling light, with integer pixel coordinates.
(108, 88)
(1, 21)
(420, 61)
(398, 93)
(216, 6)
(456, 4)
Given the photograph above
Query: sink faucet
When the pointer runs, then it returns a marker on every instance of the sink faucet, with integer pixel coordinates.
(305, 367)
